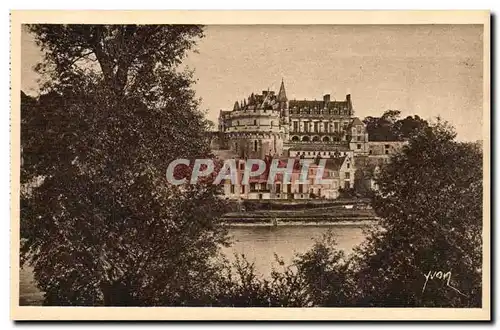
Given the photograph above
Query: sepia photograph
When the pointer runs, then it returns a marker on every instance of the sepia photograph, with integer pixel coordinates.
(329, 166)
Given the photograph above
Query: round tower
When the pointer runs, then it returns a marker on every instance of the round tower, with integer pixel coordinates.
(256, 129)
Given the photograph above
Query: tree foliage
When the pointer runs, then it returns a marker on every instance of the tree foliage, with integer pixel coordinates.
(102, 226)
(125, 55)
(430, 204)
(241, 286)
(390, 128)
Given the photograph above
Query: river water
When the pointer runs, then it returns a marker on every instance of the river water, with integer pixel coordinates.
(259, 244)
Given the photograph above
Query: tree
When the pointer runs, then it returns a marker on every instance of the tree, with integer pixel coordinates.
(241, 286)
(380, 128)
(406, 128)
(103, 226)
(124, 54)
(390, 128)
(430, 205)
(326, 275)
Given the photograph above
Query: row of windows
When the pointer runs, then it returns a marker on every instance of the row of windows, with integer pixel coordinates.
(316, 139)
(254, 123)
(324, 153)
(302, 188)
(255, 146)
(371, 152)
(263, 110)
(253, 187)
(318, 127)
(310, 111)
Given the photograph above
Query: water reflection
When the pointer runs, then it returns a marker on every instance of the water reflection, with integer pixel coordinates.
(259, 244)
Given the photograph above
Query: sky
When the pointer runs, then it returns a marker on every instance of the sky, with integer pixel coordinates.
(429, 70)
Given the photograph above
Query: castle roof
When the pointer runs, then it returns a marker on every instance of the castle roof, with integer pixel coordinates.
(271, 100)
(311, 104)
(334, 164)
(282, 93)
(356, 121)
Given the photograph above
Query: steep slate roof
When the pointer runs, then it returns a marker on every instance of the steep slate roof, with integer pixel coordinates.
(355, 122)
(334, 164)
(256, 101)
(282, 93)
(311, 104)
(236, 106)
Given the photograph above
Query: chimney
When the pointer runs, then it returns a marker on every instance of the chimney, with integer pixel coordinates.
(326, 98)
(349, 104)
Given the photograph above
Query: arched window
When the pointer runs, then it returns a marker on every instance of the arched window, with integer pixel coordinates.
(295, 138)
(255, 145)
(326, 139)
(305, 139)
(316, 139)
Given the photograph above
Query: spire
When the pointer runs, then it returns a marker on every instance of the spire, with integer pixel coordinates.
(282, 92)
(236, 106)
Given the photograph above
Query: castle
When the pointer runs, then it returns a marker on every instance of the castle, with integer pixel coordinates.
(271, 125)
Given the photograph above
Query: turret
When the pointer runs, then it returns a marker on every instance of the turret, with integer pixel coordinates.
(282, 93)
(283, 104)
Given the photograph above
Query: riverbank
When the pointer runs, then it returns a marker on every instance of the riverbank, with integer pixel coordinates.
(303, 213)
(300, 223)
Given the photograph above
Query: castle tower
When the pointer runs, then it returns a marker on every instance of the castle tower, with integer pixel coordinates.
(283, 106)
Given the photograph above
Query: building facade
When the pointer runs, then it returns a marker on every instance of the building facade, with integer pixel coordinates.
(337, 173)
(271, 125)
